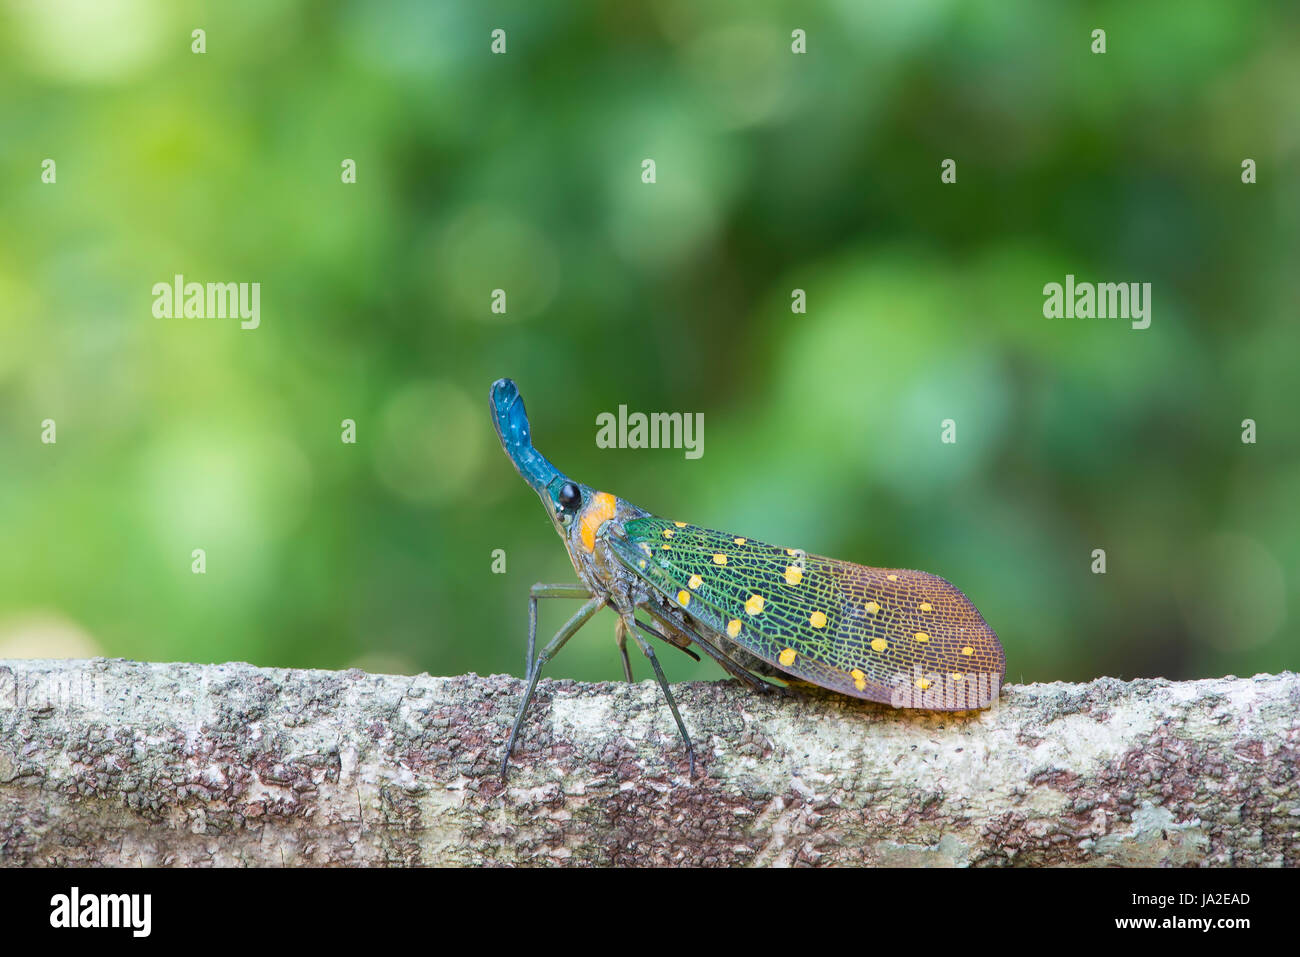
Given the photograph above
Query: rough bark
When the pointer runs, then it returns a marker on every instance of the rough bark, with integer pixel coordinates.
(125, 763)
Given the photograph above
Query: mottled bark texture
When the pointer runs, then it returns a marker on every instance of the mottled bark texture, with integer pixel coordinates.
(124, 763)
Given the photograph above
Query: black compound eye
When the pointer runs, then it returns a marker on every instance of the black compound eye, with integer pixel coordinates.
(570, 497)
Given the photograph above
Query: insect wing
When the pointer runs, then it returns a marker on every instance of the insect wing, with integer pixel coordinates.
(906, 638)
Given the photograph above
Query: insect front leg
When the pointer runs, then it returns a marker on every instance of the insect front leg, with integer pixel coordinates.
(631, 626)
(580, 618)
(546, 591)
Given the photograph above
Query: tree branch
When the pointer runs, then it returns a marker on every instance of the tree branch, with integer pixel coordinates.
(124, 763)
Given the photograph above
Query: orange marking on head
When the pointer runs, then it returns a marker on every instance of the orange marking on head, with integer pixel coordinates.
(598, 511)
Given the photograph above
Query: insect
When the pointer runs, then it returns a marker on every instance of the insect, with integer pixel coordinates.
(901, 637)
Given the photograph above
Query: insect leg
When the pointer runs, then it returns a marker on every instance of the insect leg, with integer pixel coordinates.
(668, 640)
(546, 591)
(654, 632)
(663, 683)
(580, 618)
(728, 664)
(620, 635)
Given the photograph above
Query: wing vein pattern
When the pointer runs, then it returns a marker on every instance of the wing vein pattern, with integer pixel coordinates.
(892, 635)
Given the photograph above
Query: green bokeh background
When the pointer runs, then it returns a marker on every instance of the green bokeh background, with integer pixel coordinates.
(523, 172)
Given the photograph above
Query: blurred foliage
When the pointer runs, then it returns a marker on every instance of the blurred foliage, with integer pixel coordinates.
(523, 172)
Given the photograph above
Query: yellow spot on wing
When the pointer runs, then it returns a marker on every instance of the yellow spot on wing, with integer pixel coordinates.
(859, 679)
(892, 578)
(683, 598)
(926, 606)
(872, 607)
(923, 683)
(696, 581)
(598, 511)
(786, 657)
(733, 627)
(669, 533)
(793, 575)
(719, 559)
(817, 620)
(680, 524)
(968, 650)
(740, 541)
(754, 605)
(879, 644)
(922, 637)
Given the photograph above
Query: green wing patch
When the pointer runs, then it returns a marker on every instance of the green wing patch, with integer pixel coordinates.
(901, 637)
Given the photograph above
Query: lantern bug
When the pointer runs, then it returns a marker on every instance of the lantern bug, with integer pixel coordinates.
(901, 637)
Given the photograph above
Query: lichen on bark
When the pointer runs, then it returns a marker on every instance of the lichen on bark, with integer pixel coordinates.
(114, 762)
